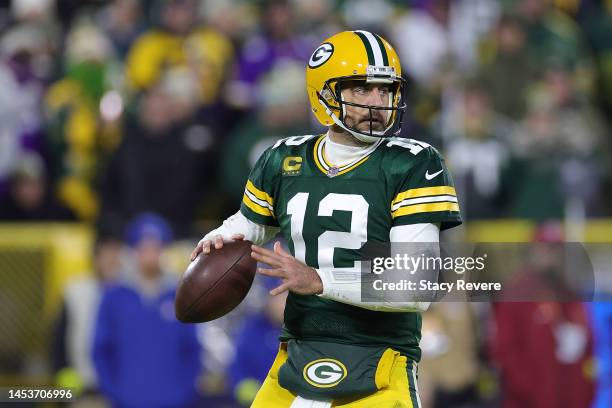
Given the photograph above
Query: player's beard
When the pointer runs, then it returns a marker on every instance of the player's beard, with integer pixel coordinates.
(363, 123)
(376, 125)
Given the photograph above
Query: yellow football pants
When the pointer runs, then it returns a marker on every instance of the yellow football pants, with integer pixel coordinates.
(402, 391)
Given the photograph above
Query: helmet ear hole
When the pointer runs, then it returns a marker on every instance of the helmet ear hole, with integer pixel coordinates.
(327, 95)
(332, 90)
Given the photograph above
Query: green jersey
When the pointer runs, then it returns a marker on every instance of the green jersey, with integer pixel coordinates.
(328, 213)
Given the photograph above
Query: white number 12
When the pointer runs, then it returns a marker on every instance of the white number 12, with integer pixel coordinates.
(329, 240)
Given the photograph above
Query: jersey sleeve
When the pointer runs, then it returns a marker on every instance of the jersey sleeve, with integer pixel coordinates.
(426, 194)
(258, 199)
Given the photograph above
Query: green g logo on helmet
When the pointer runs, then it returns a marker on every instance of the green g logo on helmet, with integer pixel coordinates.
(320, 55)
(324, 373)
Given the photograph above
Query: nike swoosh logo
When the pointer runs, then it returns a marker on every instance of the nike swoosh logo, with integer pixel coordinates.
(430, 176)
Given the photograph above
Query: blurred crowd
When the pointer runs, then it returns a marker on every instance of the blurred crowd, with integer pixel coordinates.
(116, 341)
(111, 110)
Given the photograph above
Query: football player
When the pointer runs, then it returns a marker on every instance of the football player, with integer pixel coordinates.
(328, 195)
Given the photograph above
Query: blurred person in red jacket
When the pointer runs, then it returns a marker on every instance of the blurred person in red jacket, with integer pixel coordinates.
(544, 346)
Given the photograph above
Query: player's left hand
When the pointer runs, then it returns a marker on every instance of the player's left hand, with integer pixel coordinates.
(296, 275)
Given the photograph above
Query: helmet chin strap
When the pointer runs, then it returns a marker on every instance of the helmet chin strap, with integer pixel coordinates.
(365, 139)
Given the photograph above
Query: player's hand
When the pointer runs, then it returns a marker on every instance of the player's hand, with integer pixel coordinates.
(217, 241)
(296, 275)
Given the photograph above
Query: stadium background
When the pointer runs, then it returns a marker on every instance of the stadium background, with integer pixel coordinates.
(113, 109)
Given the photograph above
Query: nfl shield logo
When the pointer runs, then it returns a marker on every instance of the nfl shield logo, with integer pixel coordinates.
(332, 172)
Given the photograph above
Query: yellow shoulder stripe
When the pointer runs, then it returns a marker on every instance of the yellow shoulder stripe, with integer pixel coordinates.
(424, 208)
(262, 195)
(256, 207)
(423, 192)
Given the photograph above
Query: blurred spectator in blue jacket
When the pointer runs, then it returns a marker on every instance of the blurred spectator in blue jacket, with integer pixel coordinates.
(143, 356)
(256, 347)
(602, 327)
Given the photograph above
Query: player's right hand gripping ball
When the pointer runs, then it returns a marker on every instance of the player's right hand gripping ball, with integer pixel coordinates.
(214, 284)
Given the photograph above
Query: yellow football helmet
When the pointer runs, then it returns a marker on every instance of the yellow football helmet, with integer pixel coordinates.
(354, 55)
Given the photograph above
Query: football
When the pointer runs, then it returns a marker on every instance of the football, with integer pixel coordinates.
(214, 284)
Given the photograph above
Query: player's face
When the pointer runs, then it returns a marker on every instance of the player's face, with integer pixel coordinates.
(366, 94)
